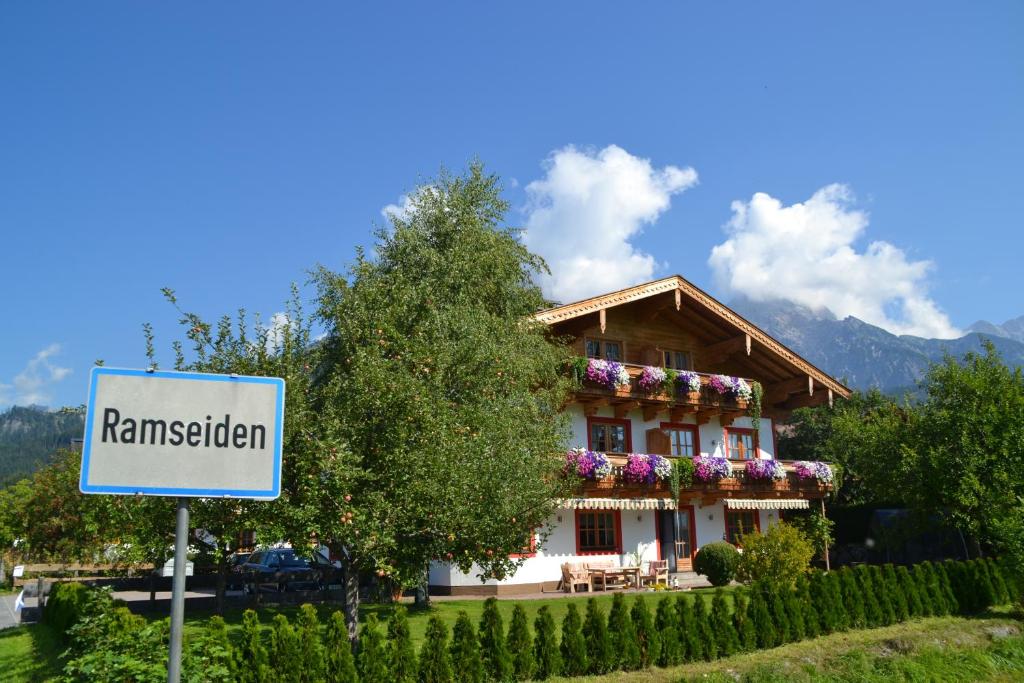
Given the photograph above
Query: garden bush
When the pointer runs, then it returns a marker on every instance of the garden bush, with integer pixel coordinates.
(311, 649)
(777, 556)
(745, 632)
(574, 647)
(340, 664)
(401, 655)
(285, 653)
(691, 647)
(252, 661)
(493, 648)
(666, 622)
(717, 561)
(64, 606)
(702, 625)
(467, 663)
(520, 645)
(623, 636)
(435, 662)
(647, 637)
(601, 656)
(372, 659)
(727, 640)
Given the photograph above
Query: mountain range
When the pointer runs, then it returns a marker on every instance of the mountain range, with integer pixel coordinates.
(864, 355)
(29, 437)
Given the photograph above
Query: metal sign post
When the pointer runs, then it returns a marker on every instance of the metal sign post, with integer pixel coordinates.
(178, 592)
(182, 434)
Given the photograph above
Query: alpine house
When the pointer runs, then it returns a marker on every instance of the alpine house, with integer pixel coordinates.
(673, 424)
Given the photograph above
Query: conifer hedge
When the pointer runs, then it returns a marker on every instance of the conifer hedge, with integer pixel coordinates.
(682, 629)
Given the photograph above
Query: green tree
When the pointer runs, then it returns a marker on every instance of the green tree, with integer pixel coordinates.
(794, 614)
(666, 621)
(311, 648)
(853, 601)
(722, 626)
(467, 663)
(545, 646)
(209, 655)
(520, 645)
(810, 615)
(601, 655)
(372, 658)
(647, 636)
(761, 618)
(745, 631)
(401, 655)
(778, 556)
(780, 617)
(623, 636)
(908, 588)
(493, 648)
(339, 662)
(435, 663)
(702, 625)
(432, 357)
(573, 647)
(285, 651)
(897, 598)
(868, 595)
(690, 637)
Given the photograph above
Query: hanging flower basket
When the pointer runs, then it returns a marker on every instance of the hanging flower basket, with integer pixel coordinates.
(652, 379)
(814, 471)
(587, 464)
(607, 373)
(642, 468)
(689, 385)
(765, 470)
(709, 469)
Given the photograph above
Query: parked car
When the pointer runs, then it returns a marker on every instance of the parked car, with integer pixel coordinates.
(236, 570)
(282, 569)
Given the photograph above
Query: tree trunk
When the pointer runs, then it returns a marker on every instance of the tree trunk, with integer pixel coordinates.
(351, 604)
(423, 589)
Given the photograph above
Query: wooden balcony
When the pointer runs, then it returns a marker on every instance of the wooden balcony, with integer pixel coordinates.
(705, 404)
(736, 486)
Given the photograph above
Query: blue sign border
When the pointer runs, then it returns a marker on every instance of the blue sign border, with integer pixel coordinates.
(270, 494)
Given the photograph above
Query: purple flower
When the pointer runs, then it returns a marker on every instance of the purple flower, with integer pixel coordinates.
(765, 470)
(711, 468)
(688, 381)
(639, 469)
(587, 464)
(814, 470)
(651, 379)
(607, 373)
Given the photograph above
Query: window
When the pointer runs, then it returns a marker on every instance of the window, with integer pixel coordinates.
(740, 444)
(683, 440)
(598, 531)
(529, 550)
(603, 348)
(677, 360)
(608, 435)
(739, 522)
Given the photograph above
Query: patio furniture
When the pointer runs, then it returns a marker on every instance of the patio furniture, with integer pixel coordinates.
(657, 572)
(608, 573)
(576, 575)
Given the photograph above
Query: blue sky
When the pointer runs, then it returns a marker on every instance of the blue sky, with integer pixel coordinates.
(224, 148)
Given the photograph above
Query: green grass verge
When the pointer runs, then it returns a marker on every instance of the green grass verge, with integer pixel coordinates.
(29, 653)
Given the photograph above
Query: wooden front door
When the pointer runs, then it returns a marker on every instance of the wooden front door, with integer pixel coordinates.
(686, 538)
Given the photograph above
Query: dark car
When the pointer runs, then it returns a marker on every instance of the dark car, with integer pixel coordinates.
(282, 569)
(236, 570)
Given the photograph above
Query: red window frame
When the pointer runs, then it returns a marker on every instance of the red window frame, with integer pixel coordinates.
(692, 428)
(742, 430)
(530, 550)
(609, 420)
(617, 517)
(757, 523)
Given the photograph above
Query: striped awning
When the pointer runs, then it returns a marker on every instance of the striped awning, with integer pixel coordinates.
(768, 504)
(619, 504)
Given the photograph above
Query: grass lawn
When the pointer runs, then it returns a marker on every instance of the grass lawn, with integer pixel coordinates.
(29, 653)
(449, 610)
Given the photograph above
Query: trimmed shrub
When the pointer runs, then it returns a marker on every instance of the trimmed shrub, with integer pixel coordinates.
(702, 624)
(372, 658)
(623, 636)
(835, 592)
(777, 556)
(869, 595)
(794, 613)
(884, 598)
(897, 598)
(809, 616)
(64, 606)
(718, 562)
(852, 600)
(995, 572)
(761, 618)
(493, 648)
(435, 663)
(311, 648)
(341, 665)
(545, 649)
(666, 621)
(400, 651)
(823, 603)
(252, 661)
(946, 587)
(285, 651)
(983, 583)
(727, 640)
(930, 603)
(943, 602)
(574, 647)
(908, 588)
(648, 639)
(777, 608)
(208, 656)
(689, 639)
(601, 656)
(520, 645)
(745, 631)
(467, 664)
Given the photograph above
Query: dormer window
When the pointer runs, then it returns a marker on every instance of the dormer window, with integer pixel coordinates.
(604, 349)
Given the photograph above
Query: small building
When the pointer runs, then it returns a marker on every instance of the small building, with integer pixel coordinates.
(667, 372)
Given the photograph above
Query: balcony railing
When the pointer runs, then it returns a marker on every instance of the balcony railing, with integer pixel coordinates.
(706, 397)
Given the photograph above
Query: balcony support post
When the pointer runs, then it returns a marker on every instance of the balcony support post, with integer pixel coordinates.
(827, 565)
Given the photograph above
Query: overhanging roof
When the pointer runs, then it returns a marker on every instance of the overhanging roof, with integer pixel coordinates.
(767, 504)
(618, 504)
(686, 291)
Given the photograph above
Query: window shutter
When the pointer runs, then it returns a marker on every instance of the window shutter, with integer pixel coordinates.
(658, 442)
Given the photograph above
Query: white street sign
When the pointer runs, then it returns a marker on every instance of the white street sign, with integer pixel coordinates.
(183, 434)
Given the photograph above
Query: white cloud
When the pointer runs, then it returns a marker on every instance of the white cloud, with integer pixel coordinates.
(33, 385)
(402, 210)
(806, 253)
(275, 331)
(582, 216)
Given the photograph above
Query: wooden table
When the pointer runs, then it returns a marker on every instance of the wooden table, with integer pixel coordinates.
(626, 573)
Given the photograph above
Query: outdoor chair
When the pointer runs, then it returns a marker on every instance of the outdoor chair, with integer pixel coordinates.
(657, 572)
(601, 574)
(574, 575)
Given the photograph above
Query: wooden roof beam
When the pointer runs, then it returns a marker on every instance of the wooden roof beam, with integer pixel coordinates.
(716, 353)
(780, 391)
(800, 401)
